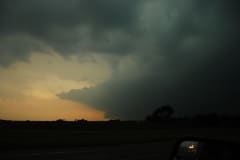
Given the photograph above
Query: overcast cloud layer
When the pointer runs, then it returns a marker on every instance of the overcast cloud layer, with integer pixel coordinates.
(184, 53)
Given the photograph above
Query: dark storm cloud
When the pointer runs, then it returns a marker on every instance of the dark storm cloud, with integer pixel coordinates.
(72, 26)
(187, 56)
(183, 53)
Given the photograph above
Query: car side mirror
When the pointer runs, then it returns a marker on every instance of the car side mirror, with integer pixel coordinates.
(205, 149)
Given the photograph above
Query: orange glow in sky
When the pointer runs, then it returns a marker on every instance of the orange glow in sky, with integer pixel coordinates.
(46, 109)
(28, 89)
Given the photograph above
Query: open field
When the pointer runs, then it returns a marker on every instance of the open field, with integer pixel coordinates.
(12, 138)
(33, 143)
(146, 151)
(72, 144)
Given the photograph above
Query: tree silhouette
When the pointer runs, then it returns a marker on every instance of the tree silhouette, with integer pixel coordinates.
(164, 112)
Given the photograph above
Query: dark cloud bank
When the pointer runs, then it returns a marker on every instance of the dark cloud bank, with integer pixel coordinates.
(184, 53)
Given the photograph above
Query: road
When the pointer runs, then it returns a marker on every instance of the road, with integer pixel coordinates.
(148, 151)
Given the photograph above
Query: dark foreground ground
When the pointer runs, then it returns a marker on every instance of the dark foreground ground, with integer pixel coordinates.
(116, 144)
(146, 151)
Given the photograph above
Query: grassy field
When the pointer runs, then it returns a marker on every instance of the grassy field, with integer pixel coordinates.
(12, 138)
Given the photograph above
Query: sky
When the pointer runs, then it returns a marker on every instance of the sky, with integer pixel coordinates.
(99, 60)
